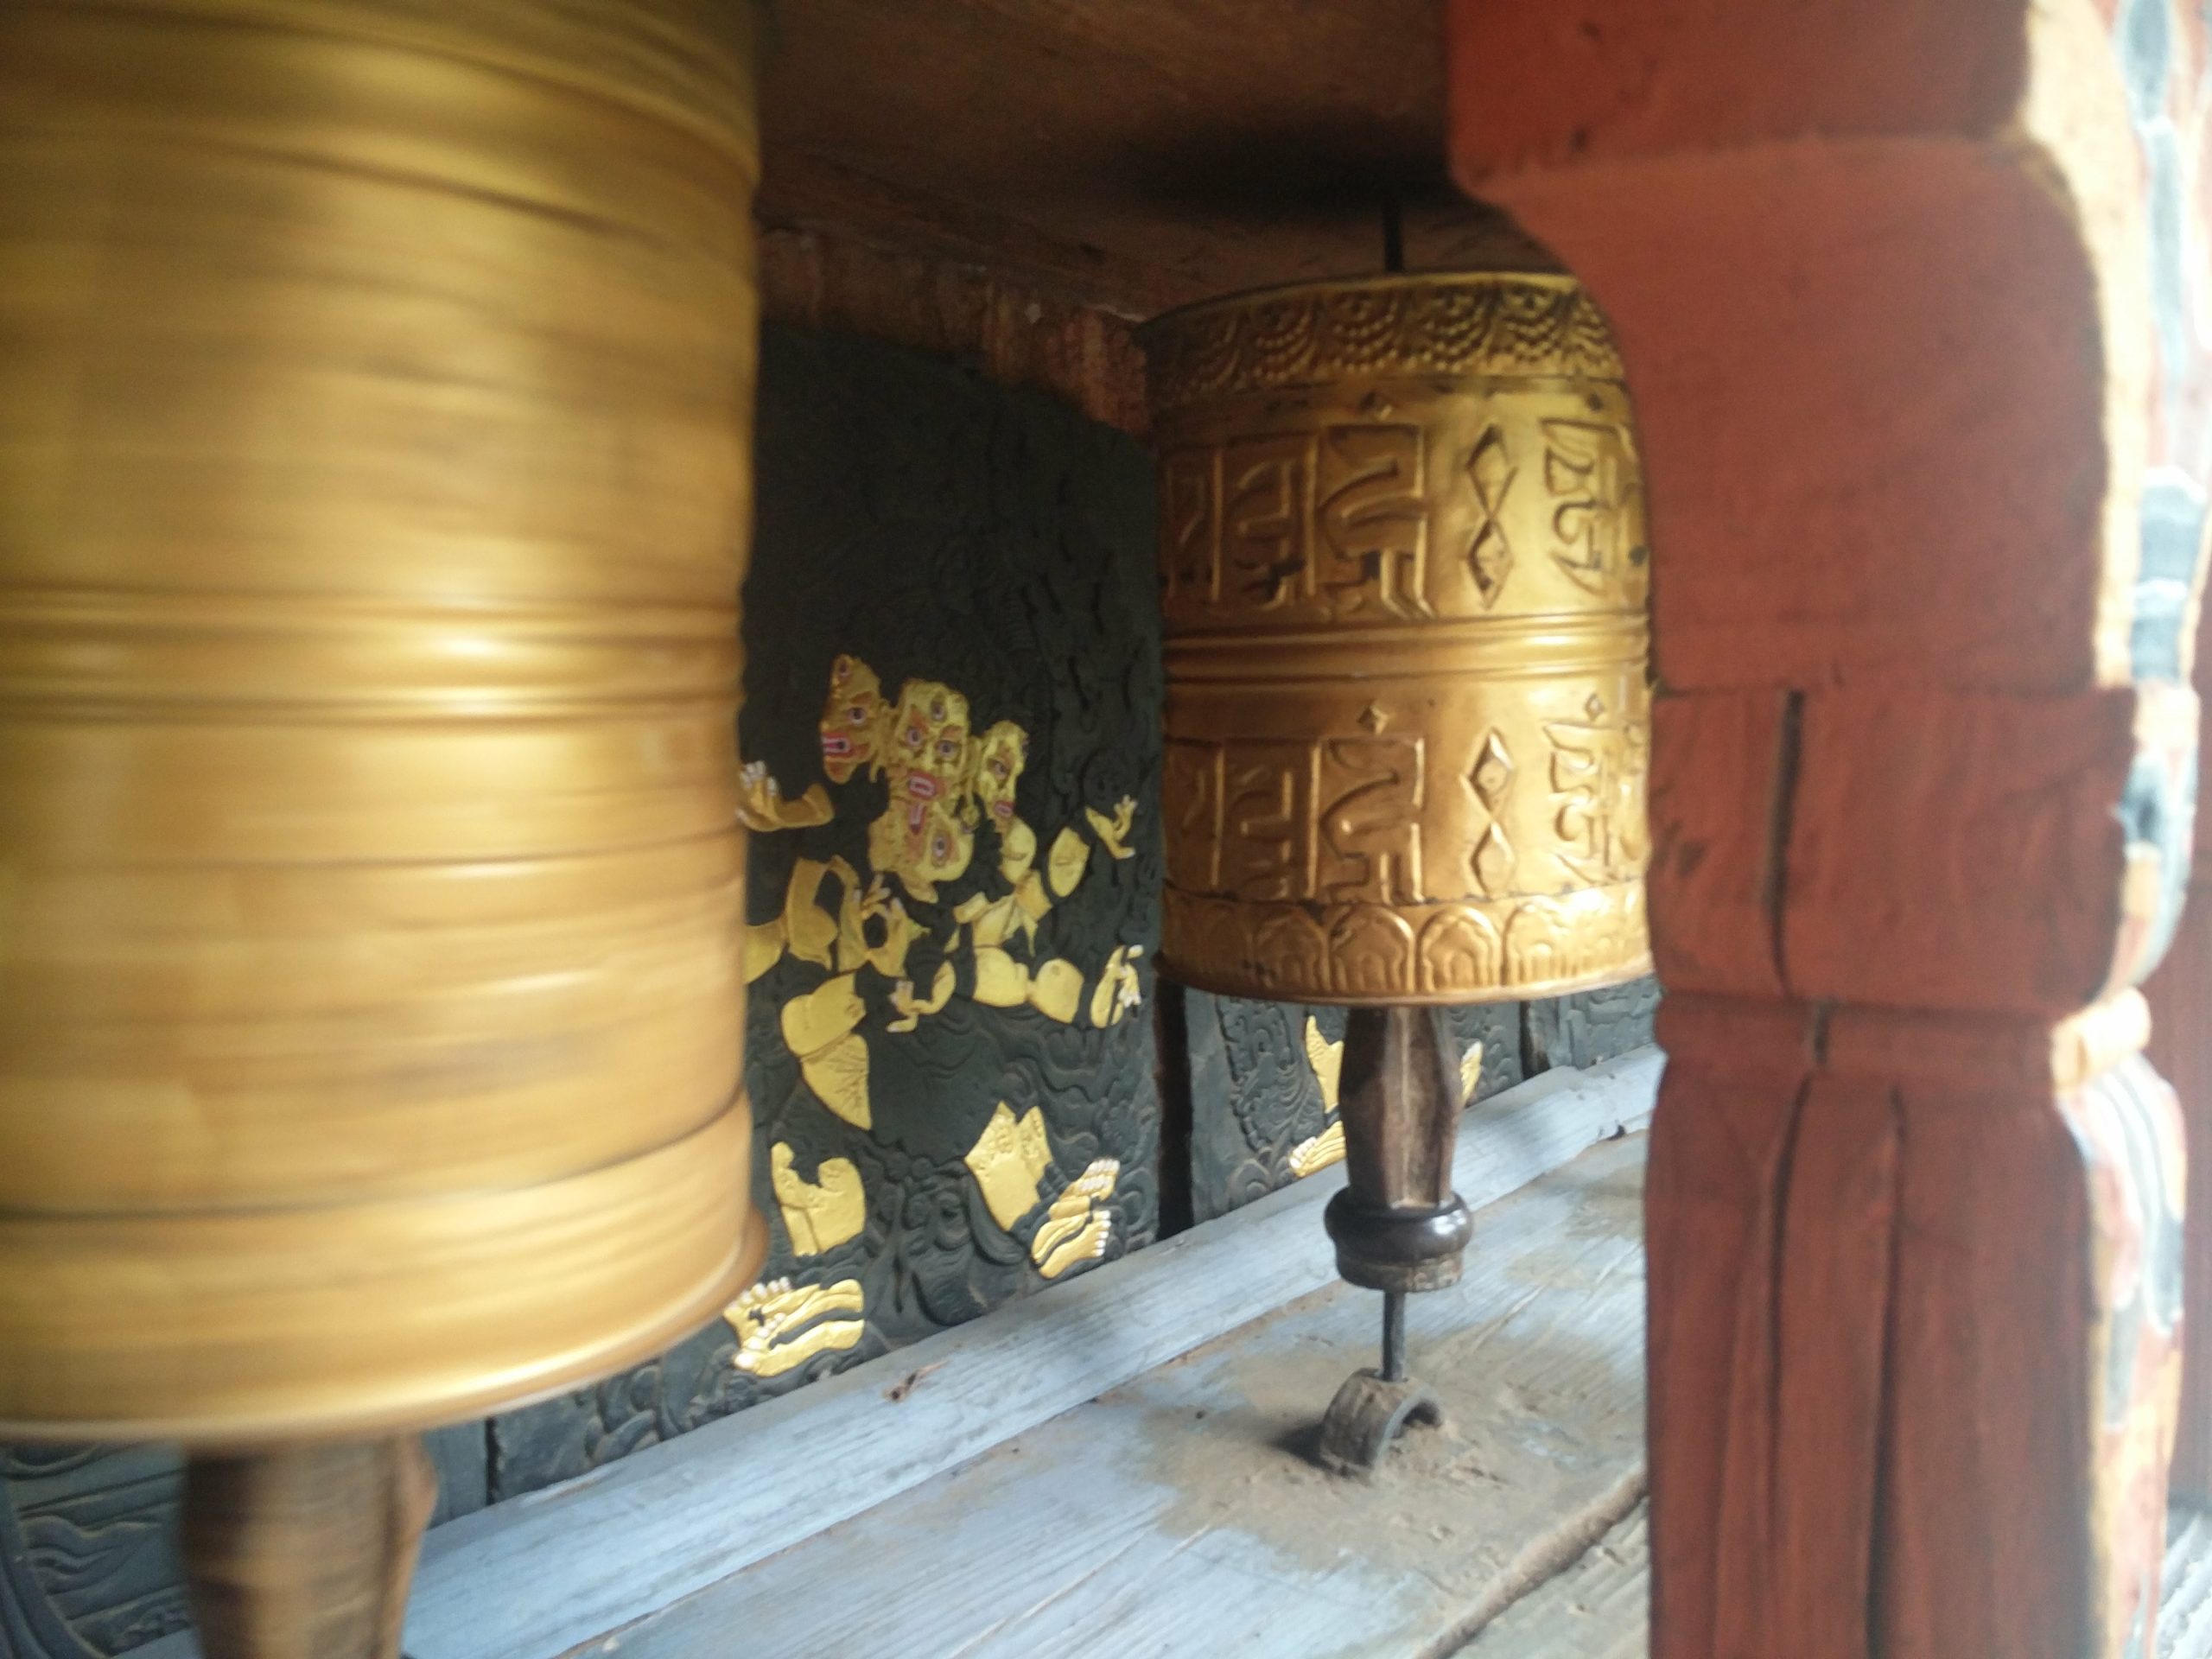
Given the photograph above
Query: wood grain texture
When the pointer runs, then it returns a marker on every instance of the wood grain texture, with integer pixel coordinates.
(1176, 1514)
(1598, 1608)
(1937, 812)
(1037, 334)
(669, 1520)
(1724, 766)
(1137, 155)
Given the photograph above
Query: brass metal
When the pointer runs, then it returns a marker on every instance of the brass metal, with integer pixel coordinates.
(1404, 576)
(375, 390)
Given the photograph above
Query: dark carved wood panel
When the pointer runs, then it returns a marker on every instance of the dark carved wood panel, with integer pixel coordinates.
(927, 530)
(1590, 1028)
(88, 1563)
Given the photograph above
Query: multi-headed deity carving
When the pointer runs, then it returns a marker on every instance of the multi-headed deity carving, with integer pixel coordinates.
(943, 786)
(1403, 572)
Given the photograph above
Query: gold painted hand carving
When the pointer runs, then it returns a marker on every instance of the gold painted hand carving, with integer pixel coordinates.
(1328, 1062)
(1113, 833)
(911, 1008)
(761, 805)
(821, 1214)
(1008, 1161)
(1119, 988)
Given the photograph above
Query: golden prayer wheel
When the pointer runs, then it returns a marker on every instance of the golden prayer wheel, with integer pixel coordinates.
(1403, 571)
(1404, 574)
(375, 393)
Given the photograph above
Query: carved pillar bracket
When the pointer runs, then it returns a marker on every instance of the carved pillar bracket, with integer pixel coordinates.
(1923, 433)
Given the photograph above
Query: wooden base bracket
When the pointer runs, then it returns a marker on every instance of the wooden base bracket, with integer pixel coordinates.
(1397, 1224)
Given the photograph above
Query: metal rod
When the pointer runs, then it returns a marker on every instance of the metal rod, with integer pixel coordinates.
(1394, 1336)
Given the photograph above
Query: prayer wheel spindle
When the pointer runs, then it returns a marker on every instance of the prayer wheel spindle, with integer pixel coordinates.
(1403, 576)
(375, 402)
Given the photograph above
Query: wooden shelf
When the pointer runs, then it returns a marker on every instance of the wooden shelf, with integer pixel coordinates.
(777, 1515)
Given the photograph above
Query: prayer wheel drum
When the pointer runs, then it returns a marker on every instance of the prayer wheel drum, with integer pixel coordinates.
(375, 391)
(1404, 575)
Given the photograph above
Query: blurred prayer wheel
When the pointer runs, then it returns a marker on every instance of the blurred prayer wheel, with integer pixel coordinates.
(1409, 718)
(375, 393)
(1404, 576)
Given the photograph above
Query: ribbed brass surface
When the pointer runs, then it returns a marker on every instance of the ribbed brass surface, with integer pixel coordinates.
(1404, 572)
(375, 393)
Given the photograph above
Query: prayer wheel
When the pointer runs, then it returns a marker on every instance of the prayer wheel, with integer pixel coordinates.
(375, 397)
(1403, 572)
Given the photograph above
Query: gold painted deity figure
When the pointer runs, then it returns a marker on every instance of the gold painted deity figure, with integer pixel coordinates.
(925, 835)
(893, 950)
(855, 723)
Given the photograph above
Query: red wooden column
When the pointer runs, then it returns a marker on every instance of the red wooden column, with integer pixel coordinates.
(1889, 292)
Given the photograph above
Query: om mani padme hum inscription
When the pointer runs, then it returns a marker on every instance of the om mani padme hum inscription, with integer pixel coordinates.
(1404, 568)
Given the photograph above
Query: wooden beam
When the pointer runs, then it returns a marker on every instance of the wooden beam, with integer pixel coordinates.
(1017, 334)
(1914, 1201)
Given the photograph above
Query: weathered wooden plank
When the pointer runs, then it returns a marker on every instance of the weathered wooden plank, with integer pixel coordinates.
(536, 1576)
(1595, 1610)
(1179, 1514)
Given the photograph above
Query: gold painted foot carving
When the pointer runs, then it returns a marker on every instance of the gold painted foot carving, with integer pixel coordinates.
(1077, 1227)
(779, 1326)
(824, 1213)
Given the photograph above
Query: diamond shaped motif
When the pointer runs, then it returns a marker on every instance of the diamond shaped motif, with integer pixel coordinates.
(1493, 772)
(1489, 557)
(1493, 861)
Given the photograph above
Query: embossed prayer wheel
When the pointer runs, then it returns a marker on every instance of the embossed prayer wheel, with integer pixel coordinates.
(375, 391)
(1404, 575)
(1403, 571)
